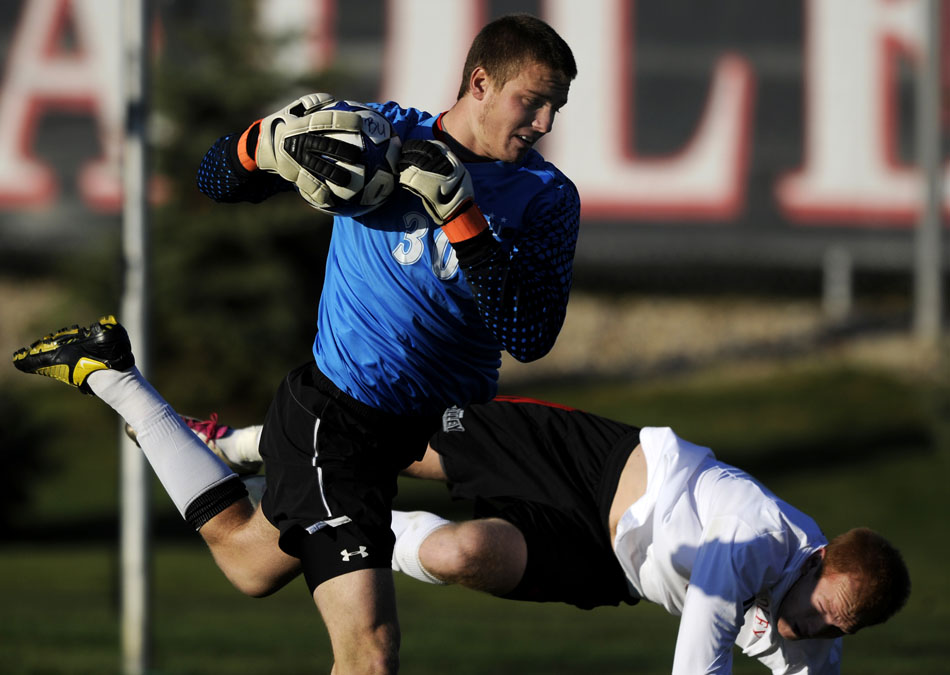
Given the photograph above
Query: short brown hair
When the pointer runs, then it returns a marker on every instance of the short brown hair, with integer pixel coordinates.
(511, 41)
(882, 580)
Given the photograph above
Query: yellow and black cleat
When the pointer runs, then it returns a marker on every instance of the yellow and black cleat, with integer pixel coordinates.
(71, 354)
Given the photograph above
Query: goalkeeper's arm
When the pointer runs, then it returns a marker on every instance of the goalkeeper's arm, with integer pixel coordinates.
(521, 291)
(224, 178)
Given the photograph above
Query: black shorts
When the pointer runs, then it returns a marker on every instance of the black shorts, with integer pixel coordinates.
(332, 464)
(552, 472)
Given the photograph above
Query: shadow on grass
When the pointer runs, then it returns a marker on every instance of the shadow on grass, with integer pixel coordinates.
(847, 448)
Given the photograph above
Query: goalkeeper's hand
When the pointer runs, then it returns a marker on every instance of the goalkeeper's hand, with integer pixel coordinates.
(296, 141)
(432, 171)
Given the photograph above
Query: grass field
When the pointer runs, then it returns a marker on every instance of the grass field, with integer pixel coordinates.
(848, 446)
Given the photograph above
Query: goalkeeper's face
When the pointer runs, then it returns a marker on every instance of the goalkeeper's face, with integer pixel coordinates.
(516, 115)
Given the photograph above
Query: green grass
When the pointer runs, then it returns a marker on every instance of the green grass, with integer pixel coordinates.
(848, 447)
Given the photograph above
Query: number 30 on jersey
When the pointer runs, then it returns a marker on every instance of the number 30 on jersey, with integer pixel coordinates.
(412, 247)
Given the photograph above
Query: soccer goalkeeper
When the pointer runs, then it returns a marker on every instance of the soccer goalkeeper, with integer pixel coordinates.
(471, 256)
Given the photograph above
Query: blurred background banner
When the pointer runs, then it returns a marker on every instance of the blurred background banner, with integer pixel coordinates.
(753, 178)
(702, 133)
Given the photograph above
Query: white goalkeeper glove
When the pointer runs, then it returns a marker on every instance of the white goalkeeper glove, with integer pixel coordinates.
(294, 141)
(433, 172)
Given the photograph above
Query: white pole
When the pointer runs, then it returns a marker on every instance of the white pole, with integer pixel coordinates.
(135, 476)
(928, 272)
(837, 286)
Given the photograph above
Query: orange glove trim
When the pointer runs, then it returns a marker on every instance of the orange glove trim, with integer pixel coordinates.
(465, 225)
(248, 162)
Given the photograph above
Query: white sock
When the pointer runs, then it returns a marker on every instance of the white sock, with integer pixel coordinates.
(184, 465)
(411, 529)
(240, 446)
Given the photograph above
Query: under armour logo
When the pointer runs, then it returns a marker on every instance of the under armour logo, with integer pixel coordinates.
(361, 552)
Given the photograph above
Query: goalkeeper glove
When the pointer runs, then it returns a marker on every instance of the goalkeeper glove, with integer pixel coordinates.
(433, 172)
(295, 142)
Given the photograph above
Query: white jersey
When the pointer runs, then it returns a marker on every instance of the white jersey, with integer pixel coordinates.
(711, 544)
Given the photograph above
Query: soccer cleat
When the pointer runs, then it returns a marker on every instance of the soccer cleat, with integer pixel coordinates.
(71, 354)
(209, 431)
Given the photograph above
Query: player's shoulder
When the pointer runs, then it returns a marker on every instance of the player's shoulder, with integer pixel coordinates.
(550, 189)
(535, 163)
(559, 193)
(404, 120)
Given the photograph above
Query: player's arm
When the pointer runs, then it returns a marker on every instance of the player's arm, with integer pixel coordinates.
(521, 294)
(707, 632)
(734, 563)
(222, 177)
(525, 290)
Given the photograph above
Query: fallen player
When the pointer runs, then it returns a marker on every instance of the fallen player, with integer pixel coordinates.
(576, 508)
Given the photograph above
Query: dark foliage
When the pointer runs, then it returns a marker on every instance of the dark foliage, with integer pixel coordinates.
(21, 455)
(234, 286)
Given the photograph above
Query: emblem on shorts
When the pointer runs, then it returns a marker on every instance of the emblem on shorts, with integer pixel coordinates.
(361, 552)
(452, 419)
(332, 522)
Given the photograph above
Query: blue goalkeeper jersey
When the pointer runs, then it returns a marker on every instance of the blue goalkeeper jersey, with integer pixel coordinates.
(408, 323)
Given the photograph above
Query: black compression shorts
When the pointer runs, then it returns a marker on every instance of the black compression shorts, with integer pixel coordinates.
(331, 465)
(552, 472)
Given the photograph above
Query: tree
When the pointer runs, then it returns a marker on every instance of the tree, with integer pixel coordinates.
(234, 287)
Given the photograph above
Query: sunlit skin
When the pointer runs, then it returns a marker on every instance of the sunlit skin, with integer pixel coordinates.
(818, 606)
(504, 123)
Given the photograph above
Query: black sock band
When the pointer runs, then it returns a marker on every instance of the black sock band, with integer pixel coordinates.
(208, 504)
